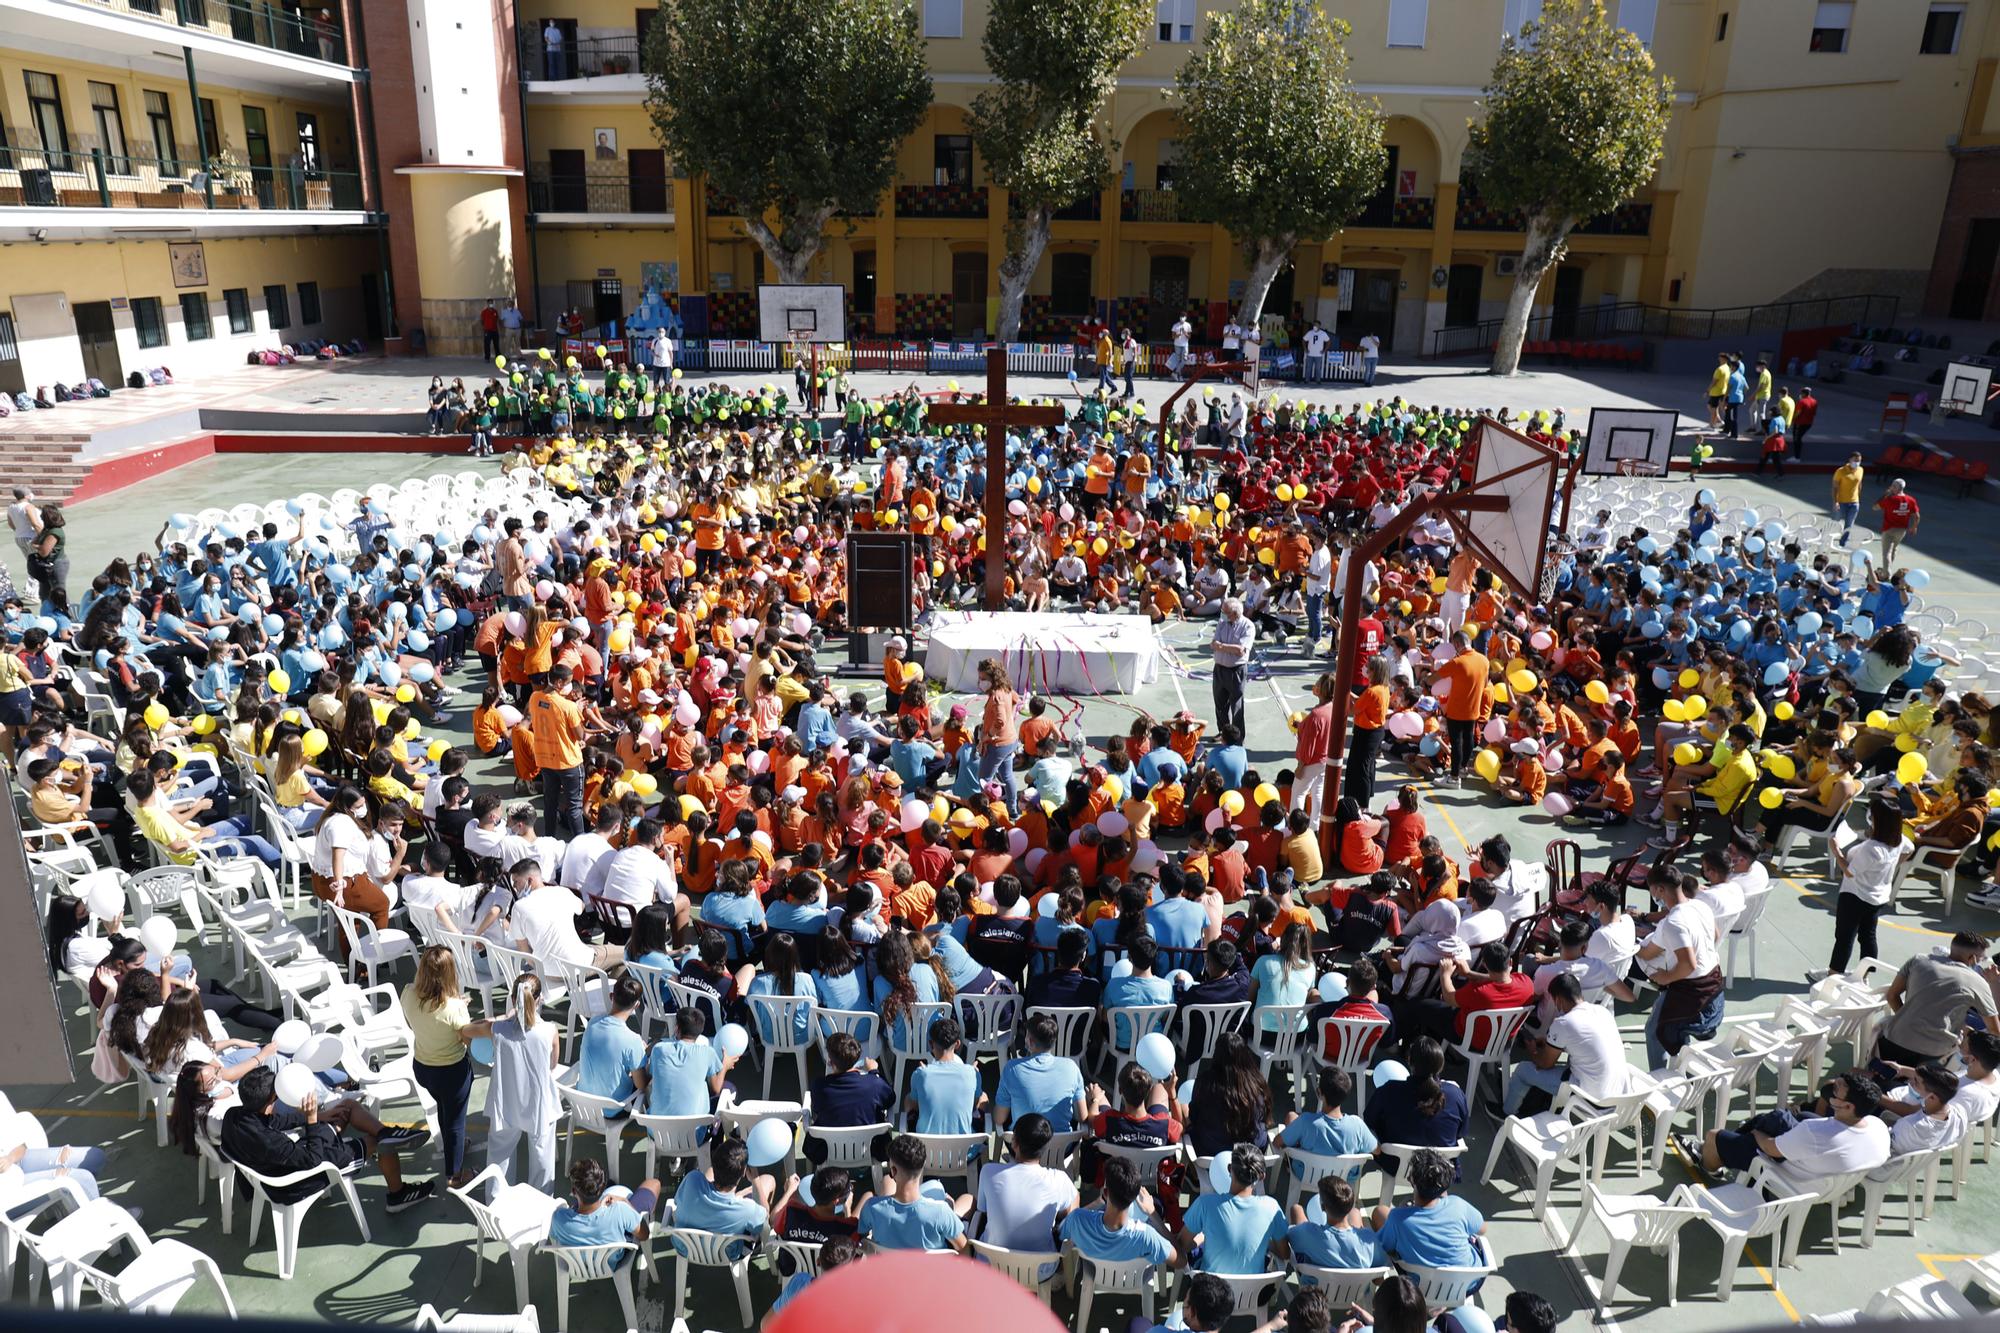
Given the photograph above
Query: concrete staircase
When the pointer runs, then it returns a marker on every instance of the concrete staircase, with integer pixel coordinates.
(47, 461)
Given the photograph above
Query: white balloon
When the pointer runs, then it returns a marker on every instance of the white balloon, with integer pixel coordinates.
(733, 1039)
(321, 1053)
(106, 901)
(291, 1036)
(157, 933)
(295, 1084)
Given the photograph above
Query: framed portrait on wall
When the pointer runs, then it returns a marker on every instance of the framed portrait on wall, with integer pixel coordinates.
(606, 143)
(189, 263)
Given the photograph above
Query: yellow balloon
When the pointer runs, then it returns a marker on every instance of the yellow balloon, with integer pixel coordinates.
(413, 730)
(1099, 546)
(1906, 742)
(406, 693)
(203, 724)
(1222, 503)
(689, 805)
(437, 750)
(687, 569)
(1597, 692)
(1689, 678)
(1232, 801)
(381, 711)
(948, 523)
(1685, 753)
(314, 743)
(1523, 680)
(1440, 583)
(1770, 798)
(937, 569)
(1695, 706)
(280, 682)
(1113, 787)
(620, 640)
(1264, 795)
(1487, 765)
(1500, 694)
(1782, 767)
(645, 784)
(1878, 720)
(1674, 710)
(1034, 485)
(156, 715)
(1911, 769)
(1267, 556)
(1782, 710)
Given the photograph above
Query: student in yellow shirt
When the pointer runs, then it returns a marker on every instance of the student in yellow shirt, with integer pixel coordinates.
(1847, 495)
(1734, 777)
(1718, 390)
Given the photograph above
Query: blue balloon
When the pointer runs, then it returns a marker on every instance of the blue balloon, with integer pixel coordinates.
(412, 572)
(273, 623)
(218, 634)
(390, 673)
(246, 610)
(1430, 745)
(46, 624)
(482, 1050)
(1652, 629)
(769, 1141)
(1863, 626)
(421, 673)
(1739, 631)
(445, 619)
(103, 659)
(1809, 623)
(1776, 673)
(1469, 1318)
(1663, 679)
(398, 611)
(1753, 544)
(1649, 546)
(482, 534)
(420, 642)
(340, 575)
(1918, 578)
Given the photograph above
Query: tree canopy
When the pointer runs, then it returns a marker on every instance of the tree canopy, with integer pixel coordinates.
(1276, 145)
(1574, 123)
(792, 109)
(1056, 62)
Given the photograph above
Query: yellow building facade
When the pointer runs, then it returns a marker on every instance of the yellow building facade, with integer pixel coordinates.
(1810, 153)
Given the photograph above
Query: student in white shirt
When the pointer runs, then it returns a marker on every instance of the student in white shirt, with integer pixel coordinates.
(1483, 924)
(1925, 1112)
(483, 836)
(1612, 944)
(1722, 895)
(429, 888)
(1681, 959)
(638, 874)
(1587, 1034)
(1023, 1201)
(587, 849)
(543, 922)
(1843, 1135)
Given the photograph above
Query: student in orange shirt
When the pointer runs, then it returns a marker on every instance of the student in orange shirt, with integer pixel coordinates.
(1467, 701)
(1371, 720)
(1528, 780)
(1612, 805)
(489, 729)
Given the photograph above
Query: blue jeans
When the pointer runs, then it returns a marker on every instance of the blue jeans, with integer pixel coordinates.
(1315, 610)
(1527, 1077)
(235, 835)
(39, 1164)
(1368, 365)
(1665, 1039)
(1848, 513)
(450, 1086)
(996, 764)
(562, 801)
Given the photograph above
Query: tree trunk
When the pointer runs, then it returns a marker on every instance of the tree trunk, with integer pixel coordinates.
(1271, 256)
(1547, 239)
(791, 249)
(1025, 242)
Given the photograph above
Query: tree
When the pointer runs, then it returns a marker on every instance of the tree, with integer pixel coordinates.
(1055, 62)
(1276, 144)
(792, 109)
(1574, 125)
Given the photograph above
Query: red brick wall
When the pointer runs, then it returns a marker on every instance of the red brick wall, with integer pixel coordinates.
(1975, 193)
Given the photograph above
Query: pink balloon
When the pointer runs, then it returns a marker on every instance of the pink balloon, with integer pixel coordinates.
(1540, 640)
(1558, 657)
(510, 715)
(1441, 687)
(1557, 804)
(1034, 859)
(1216, 819)
(544, 590)
(914, 813)
(1017, 507)
(687, 714)
(1111, 823)
(757, 761)
(669, 509)
(1552, 759)
(1067, 512)
(1496, 730)
(515, 623)
(1405, 726)
(1017, 842)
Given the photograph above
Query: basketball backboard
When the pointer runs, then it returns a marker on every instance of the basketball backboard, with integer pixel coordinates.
(1514, 541)
(1965, 387)
(1626, 441)
(814, 312)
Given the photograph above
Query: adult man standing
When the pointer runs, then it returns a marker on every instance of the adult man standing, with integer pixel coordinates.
(1182, 331)
(1319, 582)
(1128, 349)
(1315, 744)
(489, 330)
(1107, 361)
(1803, 413)
(552, 51)
(556, 718)
(512, 562)
(1234, 637)
(1732, 405)
(1316, 341)
(662, 358)
(25, 517)
(1846, 493)
(1899, 519)
(1718, 390)
(1371, 357)
(1929, 1000)
(1466, 701)
(511, 320)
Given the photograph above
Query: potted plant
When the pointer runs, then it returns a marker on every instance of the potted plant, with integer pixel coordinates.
(231, 175)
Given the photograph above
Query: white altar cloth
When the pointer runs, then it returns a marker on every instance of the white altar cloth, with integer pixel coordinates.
(1052, 653)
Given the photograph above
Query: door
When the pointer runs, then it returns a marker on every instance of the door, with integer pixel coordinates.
(1374, 307)
(371, 305)
(1461, 295)
(1975, 273)
(1568, 297)
(257, 149)
(568, 192)
(648, 182)
(1167, 288)
(609, 305)
(11, 379)
(968, 293)
(98, 338)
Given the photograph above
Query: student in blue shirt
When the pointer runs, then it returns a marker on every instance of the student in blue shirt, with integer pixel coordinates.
(686, 1075)
(1329, 1131)
(613, 1058)
(1118, 1231)
(1139, 988)
(1041, 1082)
(1181, 922)
(801, 912)
(1233, 1231)
(908, 1217)
(591, 1217)
(726, 1198)
(944, 1093)
(832, 1254)
(781, 977)
(1341, 1241)
(1439, 1230)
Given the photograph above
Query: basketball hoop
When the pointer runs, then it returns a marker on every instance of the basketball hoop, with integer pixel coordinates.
(1637, 467)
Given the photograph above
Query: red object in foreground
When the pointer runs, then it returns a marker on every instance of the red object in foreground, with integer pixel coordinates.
(909, 1292)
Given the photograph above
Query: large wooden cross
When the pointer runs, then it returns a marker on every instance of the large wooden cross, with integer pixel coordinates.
(996, 414)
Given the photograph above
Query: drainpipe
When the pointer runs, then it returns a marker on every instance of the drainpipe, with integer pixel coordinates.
(200, 130)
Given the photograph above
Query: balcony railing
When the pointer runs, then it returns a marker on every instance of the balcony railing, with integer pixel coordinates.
(941, 201)
(584, 58)
(82, 175)
(1149, 206)
(1408, 211)
(552, 192)
(304, 30)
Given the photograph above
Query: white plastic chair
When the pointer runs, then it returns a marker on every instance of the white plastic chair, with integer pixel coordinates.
(1636, 1221)
(1026, 1267)
(1548, 1139)
(1343, 1286)
(517, 1216)
(775, 1027)
(1252, 1292)
(77, 1240)
(1215, 1020)
(590, 1112)
(1314, 1167)
(655, 993)
(954, 1156)
(674, 1137)
(1400, 1153)
(1073, 1029)
(1831, 1190)
(1352, 1042)
(909, 1040)
(1137, 1278)
(1745, 929)
(863, 1024)
(288, 1219)
(1489, 1036)
(370, 947)
(155, 1092)
(1739, 1214)
(1286, 1044)
(1139, 1020)
(708, 1249)
(156, 1281)
(1447, 1288)
(1675, 1094)
(586, 995)
(849, 1146)
(1915, 1174)
(989, 1022)
(430, 1321)
(594, 1263)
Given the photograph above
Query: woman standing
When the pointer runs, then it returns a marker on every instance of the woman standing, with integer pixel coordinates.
(1867, 877)
(48, 562)
(1371, 719)
(1000, 729)
(1883, 663)
(521, 1101)
(440, 1019)
(340, 858)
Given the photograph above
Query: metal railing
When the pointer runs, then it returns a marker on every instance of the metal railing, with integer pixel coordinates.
(584, 58)
(1149, 206)
(1411, 212)
(941, 201)
(306, 30)
(80, 174)
(1635, 320)
(594, 192)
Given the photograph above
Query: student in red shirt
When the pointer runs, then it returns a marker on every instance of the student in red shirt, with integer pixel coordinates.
(1489, 983)
(1899, 519)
